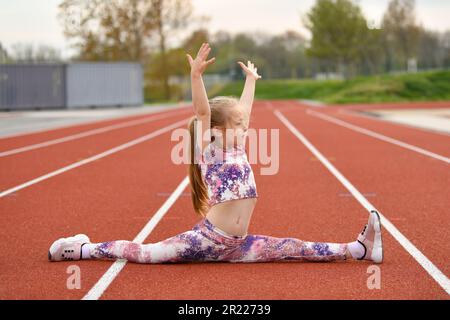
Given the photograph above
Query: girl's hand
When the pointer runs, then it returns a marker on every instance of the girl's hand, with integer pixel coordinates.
(250, 70)
(199, 65)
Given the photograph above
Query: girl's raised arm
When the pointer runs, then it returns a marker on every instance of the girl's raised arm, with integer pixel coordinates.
(248, 93)
(199, 96)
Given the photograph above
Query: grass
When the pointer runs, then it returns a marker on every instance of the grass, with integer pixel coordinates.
(425, 86)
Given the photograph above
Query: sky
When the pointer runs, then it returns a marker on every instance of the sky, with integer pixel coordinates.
(34, 21)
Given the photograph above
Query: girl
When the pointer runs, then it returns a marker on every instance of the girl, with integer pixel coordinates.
(224, 193)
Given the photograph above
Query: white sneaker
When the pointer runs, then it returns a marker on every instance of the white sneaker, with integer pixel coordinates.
(67, 248)
(370, 238)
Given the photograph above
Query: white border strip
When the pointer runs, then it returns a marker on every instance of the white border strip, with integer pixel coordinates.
(370, 114)
(96, 157)
(157, 110)
(108, 277)
(429, 267)
(313, 103)
(88, 133)
(378, 136)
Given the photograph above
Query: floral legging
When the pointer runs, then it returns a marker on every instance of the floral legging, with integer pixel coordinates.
(207, 243)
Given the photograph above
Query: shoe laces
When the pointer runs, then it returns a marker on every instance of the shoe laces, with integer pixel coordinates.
(68, 253)
(365, 228)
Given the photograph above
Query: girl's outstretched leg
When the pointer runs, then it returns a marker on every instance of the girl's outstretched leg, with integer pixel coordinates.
(259, 248)
(184, 247)
(256, 248)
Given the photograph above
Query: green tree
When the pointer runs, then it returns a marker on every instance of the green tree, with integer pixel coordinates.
(27, 52)
(430, 50)
(372, 57)
(169, 16)
(130, 30)
(222, 48)
(4, 56)
(338, 28)
(402, 33)
(283, 56)
(108, 30)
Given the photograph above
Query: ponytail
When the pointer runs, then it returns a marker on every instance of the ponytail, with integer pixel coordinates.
(199, 192)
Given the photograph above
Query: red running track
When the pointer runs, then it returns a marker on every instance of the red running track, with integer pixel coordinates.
(114, 197)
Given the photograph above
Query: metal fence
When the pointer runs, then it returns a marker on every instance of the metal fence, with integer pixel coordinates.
(75, 85)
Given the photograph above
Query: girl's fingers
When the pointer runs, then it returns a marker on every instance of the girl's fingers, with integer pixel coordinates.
(250, 68)
(191, 60)
(203, 52)
(200, 50)
(206, 53)
(210, 61)
(243, 66)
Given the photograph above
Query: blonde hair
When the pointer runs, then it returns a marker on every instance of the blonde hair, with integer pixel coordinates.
(220, 107)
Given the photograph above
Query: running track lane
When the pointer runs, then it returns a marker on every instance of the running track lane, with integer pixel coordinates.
(283, 233)
(22, 167)
(428, 140)
(411, 188)
(111, 198)
(303, 200)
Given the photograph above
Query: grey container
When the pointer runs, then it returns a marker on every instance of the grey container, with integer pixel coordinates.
(76, 85)
(104, 84)
(28, 86)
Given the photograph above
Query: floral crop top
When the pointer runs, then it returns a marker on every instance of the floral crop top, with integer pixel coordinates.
(227, 174)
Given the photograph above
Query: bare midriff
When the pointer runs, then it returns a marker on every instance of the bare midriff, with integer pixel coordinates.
(232, 216)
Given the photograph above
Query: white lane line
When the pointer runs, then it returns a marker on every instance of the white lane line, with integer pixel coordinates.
(103, 283)
(88, 133)
(378, 136)
(429, 267)
(96, 157)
